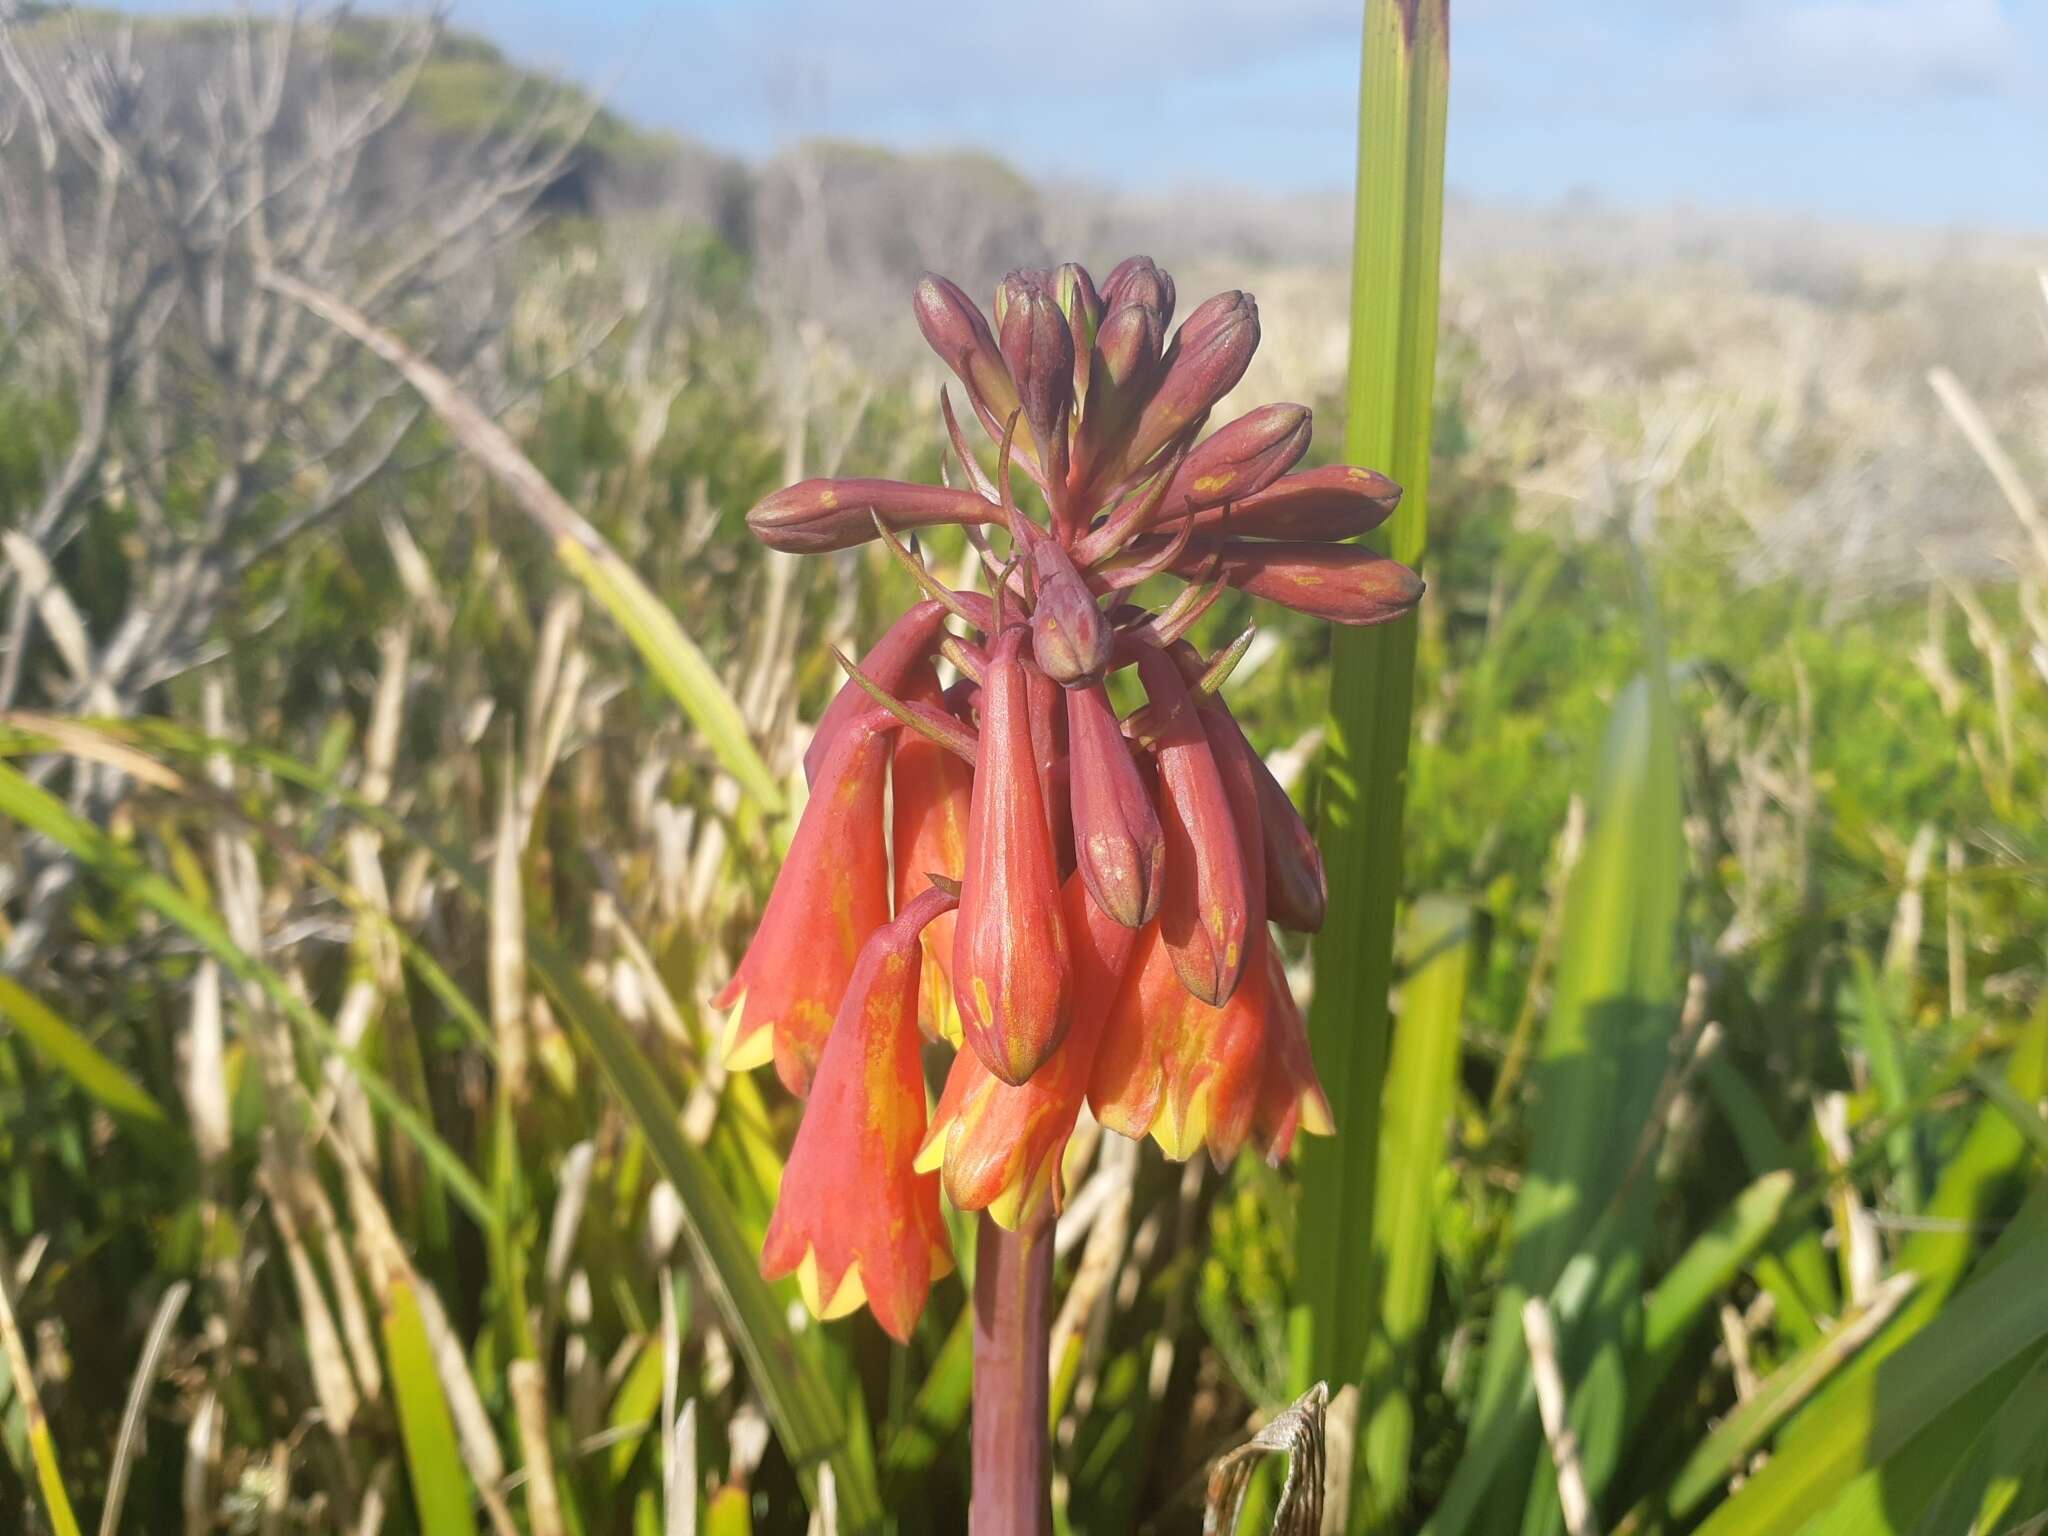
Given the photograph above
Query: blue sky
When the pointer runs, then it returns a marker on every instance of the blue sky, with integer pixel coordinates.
(1829, 106)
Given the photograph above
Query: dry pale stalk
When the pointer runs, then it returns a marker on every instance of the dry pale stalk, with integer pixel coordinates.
(1540, 1330)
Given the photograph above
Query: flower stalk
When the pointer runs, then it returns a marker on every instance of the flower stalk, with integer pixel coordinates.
(1012, 1381)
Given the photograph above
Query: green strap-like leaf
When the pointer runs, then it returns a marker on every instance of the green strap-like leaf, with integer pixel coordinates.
(1397, 234)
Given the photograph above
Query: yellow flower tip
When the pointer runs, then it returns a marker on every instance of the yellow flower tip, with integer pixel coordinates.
(1180, 1136)
(1023, 1195)
(742, 1052)
(848, 1297)
(931, 1157)
(1316, 1118)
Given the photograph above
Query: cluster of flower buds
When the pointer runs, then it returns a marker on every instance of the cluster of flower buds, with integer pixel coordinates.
(1078, 902)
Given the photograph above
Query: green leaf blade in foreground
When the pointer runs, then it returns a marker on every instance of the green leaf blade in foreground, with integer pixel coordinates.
(1878, 1411)
(440, 1483)
(1583, 1209)
(1415, 1114)
(1397, 239)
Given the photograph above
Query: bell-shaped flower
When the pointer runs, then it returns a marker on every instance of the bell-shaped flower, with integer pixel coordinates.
(1119, 847)
(1174, 1068)
(1291, 1096)
(930, 790)
(999, 1146)
(832, 893)
(854, 1221)
(1012, 972)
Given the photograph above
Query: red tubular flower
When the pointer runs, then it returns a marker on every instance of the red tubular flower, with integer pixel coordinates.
(929, 790)
(1172, 1067)
(1012, 973)
(855, 1222)
(1000, 1146)
(832, 893)
(1118, 845)
(1205, 909)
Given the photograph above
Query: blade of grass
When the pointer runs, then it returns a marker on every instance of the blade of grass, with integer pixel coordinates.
(1706, 1268)
(1758, 1416)
(440, 1486)
(1404, 85)
(75, 1056)
(1415, 1111)
(37, 809)
(42, 1446)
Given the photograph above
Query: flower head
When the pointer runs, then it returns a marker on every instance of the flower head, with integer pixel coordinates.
(1116, 877)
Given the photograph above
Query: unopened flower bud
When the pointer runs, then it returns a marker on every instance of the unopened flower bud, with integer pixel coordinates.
(1338, 501)
(1118, 844)
(957, 332)
(814, 517)
(1070, 638)
(1125, 365)
(1074, 292)
(1297, 892)
(1239, 459)
(1038, 346)
(1208, 357)
(1140, 280)
(1011, 968)
(1339, 582)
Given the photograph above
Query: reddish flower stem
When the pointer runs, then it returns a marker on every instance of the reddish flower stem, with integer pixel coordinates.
(1012, 1393)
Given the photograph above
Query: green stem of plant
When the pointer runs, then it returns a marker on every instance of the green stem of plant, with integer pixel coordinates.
(1012, 1336)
